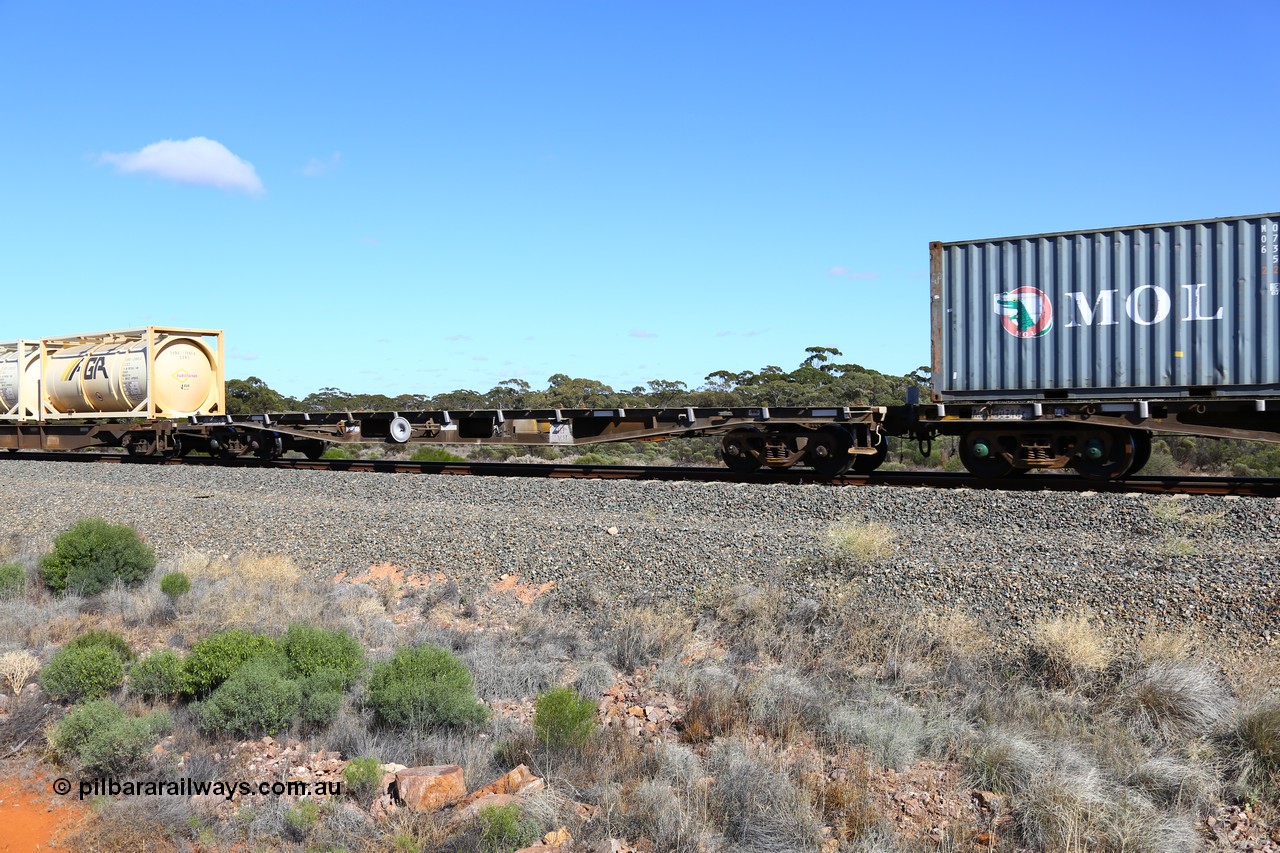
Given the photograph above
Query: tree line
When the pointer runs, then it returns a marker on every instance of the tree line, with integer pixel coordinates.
(820, 379)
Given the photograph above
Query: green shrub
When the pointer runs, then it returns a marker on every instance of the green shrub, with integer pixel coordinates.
(425, 686)
(104, 740)
(258, 698)
(213, 659)
(92, 555)
(595, 458)
(504, 828)
(320, 709)
(89, 672)
(106, 639)
(175, 584)
(363, 776)
(312, 650)
(301, 818)
(13, 580)
(434, 454)
(321, 698)
(157, 676)
(562, 718)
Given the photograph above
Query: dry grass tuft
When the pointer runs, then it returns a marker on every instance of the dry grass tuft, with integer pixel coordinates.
(645, 636)
(1255, 740)
(1177, 784)
(1131, 823)
(1176, 511)
(761, 623)
(757, 803)
(1061, 811)
(652, 809)
(714, 707)
(854, 540)
(786, 704)
(1069, 652)
(890, 730)
(17, 667)
(1166, 646)
(260, 592)
(140, 824)
(1175, 698)
(1004, 762)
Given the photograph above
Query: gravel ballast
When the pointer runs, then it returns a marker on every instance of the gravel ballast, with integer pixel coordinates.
(1138, 563)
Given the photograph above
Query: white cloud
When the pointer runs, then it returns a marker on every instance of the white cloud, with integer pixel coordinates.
(319, 167)
(641, 333)
(197, 161)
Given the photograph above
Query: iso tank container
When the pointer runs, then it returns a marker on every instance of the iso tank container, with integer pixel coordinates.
(145, 373)
(1180, 309)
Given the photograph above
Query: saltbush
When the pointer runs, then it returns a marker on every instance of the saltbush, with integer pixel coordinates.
(175, 584)
(320, 709)
(312, 650)
(505, 827)
(13, 580)
(424, 686)
(363, 776)
(157, 676)
(106, 639)
(92, 555)
(104, 740)
(562, 718)
(321, 698)
(215, 658)
(258, 698)
(88, 672)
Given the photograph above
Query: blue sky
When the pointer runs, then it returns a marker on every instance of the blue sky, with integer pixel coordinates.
(419, 197)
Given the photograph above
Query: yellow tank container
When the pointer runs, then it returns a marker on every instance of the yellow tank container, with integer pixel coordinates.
(150, 372)
(19, 379)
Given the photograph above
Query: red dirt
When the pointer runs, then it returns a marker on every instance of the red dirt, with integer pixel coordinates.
(32, 817)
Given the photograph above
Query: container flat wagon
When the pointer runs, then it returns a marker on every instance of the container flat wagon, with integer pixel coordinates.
(1063, 350)
(161, 391)
(1072, 348)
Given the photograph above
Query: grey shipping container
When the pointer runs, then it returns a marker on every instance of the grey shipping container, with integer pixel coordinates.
(1178, 309)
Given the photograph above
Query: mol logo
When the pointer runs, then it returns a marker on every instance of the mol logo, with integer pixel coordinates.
(1025, 312)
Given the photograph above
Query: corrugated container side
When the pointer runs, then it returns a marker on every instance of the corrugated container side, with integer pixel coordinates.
(1176, 309)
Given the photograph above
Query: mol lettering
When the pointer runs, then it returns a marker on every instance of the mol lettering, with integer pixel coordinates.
(1146, 305)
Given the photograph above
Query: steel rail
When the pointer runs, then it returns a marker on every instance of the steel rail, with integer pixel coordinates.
(1199, 485)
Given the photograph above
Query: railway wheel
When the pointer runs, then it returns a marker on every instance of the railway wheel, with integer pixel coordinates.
(827, 452)
(313, 450)
(269, 447)
(139, 444)
(865, 463)
(982, 457)
(1141, 451)
(1106, 454)
(743, 451)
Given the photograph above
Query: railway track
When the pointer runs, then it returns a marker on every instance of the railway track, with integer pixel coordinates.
(1250, 486)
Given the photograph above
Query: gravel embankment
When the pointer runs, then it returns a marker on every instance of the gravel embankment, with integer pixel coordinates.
(1010, 558)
